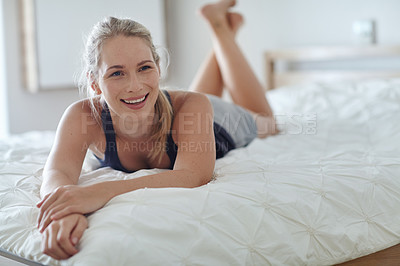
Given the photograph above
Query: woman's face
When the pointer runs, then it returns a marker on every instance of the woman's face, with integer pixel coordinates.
(128, 76)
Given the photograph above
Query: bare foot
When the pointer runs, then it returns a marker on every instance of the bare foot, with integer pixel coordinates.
(235, 21)
(216, 14)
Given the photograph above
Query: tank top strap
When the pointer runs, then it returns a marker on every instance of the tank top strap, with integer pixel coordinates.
(171, 147)
(111, 154)
(168, 96)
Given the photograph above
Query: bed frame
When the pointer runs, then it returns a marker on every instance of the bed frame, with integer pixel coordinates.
(10, 259)
(276, 78)
(387, 257)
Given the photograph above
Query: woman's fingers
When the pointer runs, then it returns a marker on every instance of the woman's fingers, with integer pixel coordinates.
(48, 201)
(64, 239)
(62, 212)
(79, 229)
(46, 218)
(42, 200)
(44, 245)
(51, 246)
(53, 203)
(60, 237)
(39, 205)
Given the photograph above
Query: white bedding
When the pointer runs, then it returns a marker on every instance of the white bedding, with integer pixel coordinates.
(323, 191)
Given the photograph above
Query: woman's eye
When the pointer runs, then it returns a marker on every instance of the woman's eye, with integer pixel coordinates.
(116, 74)
(144, 68)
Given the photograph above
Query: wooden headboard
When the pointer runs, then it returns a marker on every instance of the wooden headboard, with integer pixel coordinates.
(325, 54)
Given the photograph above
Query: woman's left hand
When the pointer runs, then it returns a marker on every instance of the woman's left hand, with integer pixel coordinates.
(70, 199)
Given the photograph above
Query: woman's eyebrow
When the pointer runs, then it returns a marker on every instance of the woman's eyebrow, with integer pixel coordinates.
(145, 62)
(115, 66)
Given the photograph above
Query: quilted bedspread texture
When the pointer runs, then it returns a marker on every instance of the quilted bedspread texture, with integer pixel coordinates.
(326, 189)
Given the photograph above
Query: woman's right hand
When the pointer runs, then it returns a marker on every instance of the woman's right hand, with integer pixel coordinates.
(61, 236)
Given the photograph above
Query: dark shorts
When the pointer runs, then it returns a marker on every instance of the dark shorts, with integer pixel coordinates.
(237, 121)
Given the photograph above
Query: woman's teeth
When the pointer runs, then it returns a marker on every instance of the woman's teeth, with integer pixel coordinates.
(135, 101)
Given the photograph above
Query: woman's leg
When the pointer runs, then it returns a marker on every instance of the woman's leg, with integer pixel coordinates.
(236, 73)
(208, 78)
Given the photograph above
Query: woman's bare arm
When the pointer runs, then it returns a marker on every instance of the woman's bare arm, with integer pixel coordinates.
(65, 161)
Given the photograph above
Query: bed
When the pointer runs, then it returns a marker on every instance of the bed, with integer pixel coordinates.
(324, 191)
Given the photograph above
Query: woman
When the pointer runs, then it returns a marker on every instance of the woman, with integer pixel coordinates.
(130, 124)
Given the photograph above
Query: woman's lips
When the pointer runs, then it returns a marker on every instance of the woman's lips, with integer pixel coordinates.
(135, 102)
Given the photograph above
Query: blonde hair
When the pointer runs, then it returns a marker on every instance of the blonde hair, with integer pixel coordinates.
(108, 28)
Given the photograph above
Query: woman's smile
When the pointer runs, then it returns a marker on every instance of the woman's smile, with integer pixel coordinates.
(135, 102)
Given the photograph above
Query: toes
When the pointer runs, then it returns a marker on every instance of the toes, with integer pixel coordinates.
(228, 3)
(220, 7)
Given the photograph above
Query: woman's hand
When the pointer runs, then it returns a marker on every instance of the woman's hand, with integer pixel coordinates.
(61, 236)
(70, 199)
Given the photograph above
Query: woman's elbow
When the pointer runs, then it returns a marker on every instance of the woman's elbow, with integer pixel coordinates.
(201, 178)
(205, 180)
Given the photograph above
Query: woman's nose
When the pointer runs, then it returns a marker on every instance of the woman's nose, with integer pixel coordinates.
(134, 83)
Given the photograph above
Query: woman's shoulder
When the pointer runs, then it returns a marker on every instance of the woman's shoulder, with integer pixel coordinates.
(80, 106)
(187, 100)
(85, 108)
(82, 114)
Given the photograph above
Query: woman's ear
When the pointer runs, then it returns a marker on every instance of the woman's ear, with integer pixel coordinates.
(95, 87)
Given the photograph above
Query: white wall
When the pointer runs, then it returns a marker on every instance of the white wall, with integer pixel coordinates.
(3, 93)
(272, 24)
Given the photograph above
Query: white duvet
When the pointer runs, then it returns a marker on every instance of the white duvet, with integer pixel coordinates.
(323, 191)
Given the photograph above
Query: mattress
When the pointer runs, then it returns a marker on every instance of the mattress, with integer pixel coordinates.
(325, 190)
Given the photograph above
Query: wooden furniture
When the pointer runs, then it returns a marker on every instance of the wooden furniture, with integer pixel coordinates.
(326, 54)
(387, 257)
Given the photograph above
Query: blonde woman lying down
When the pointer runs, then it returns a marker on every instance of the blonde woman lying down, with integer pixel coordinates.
(130, 124)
